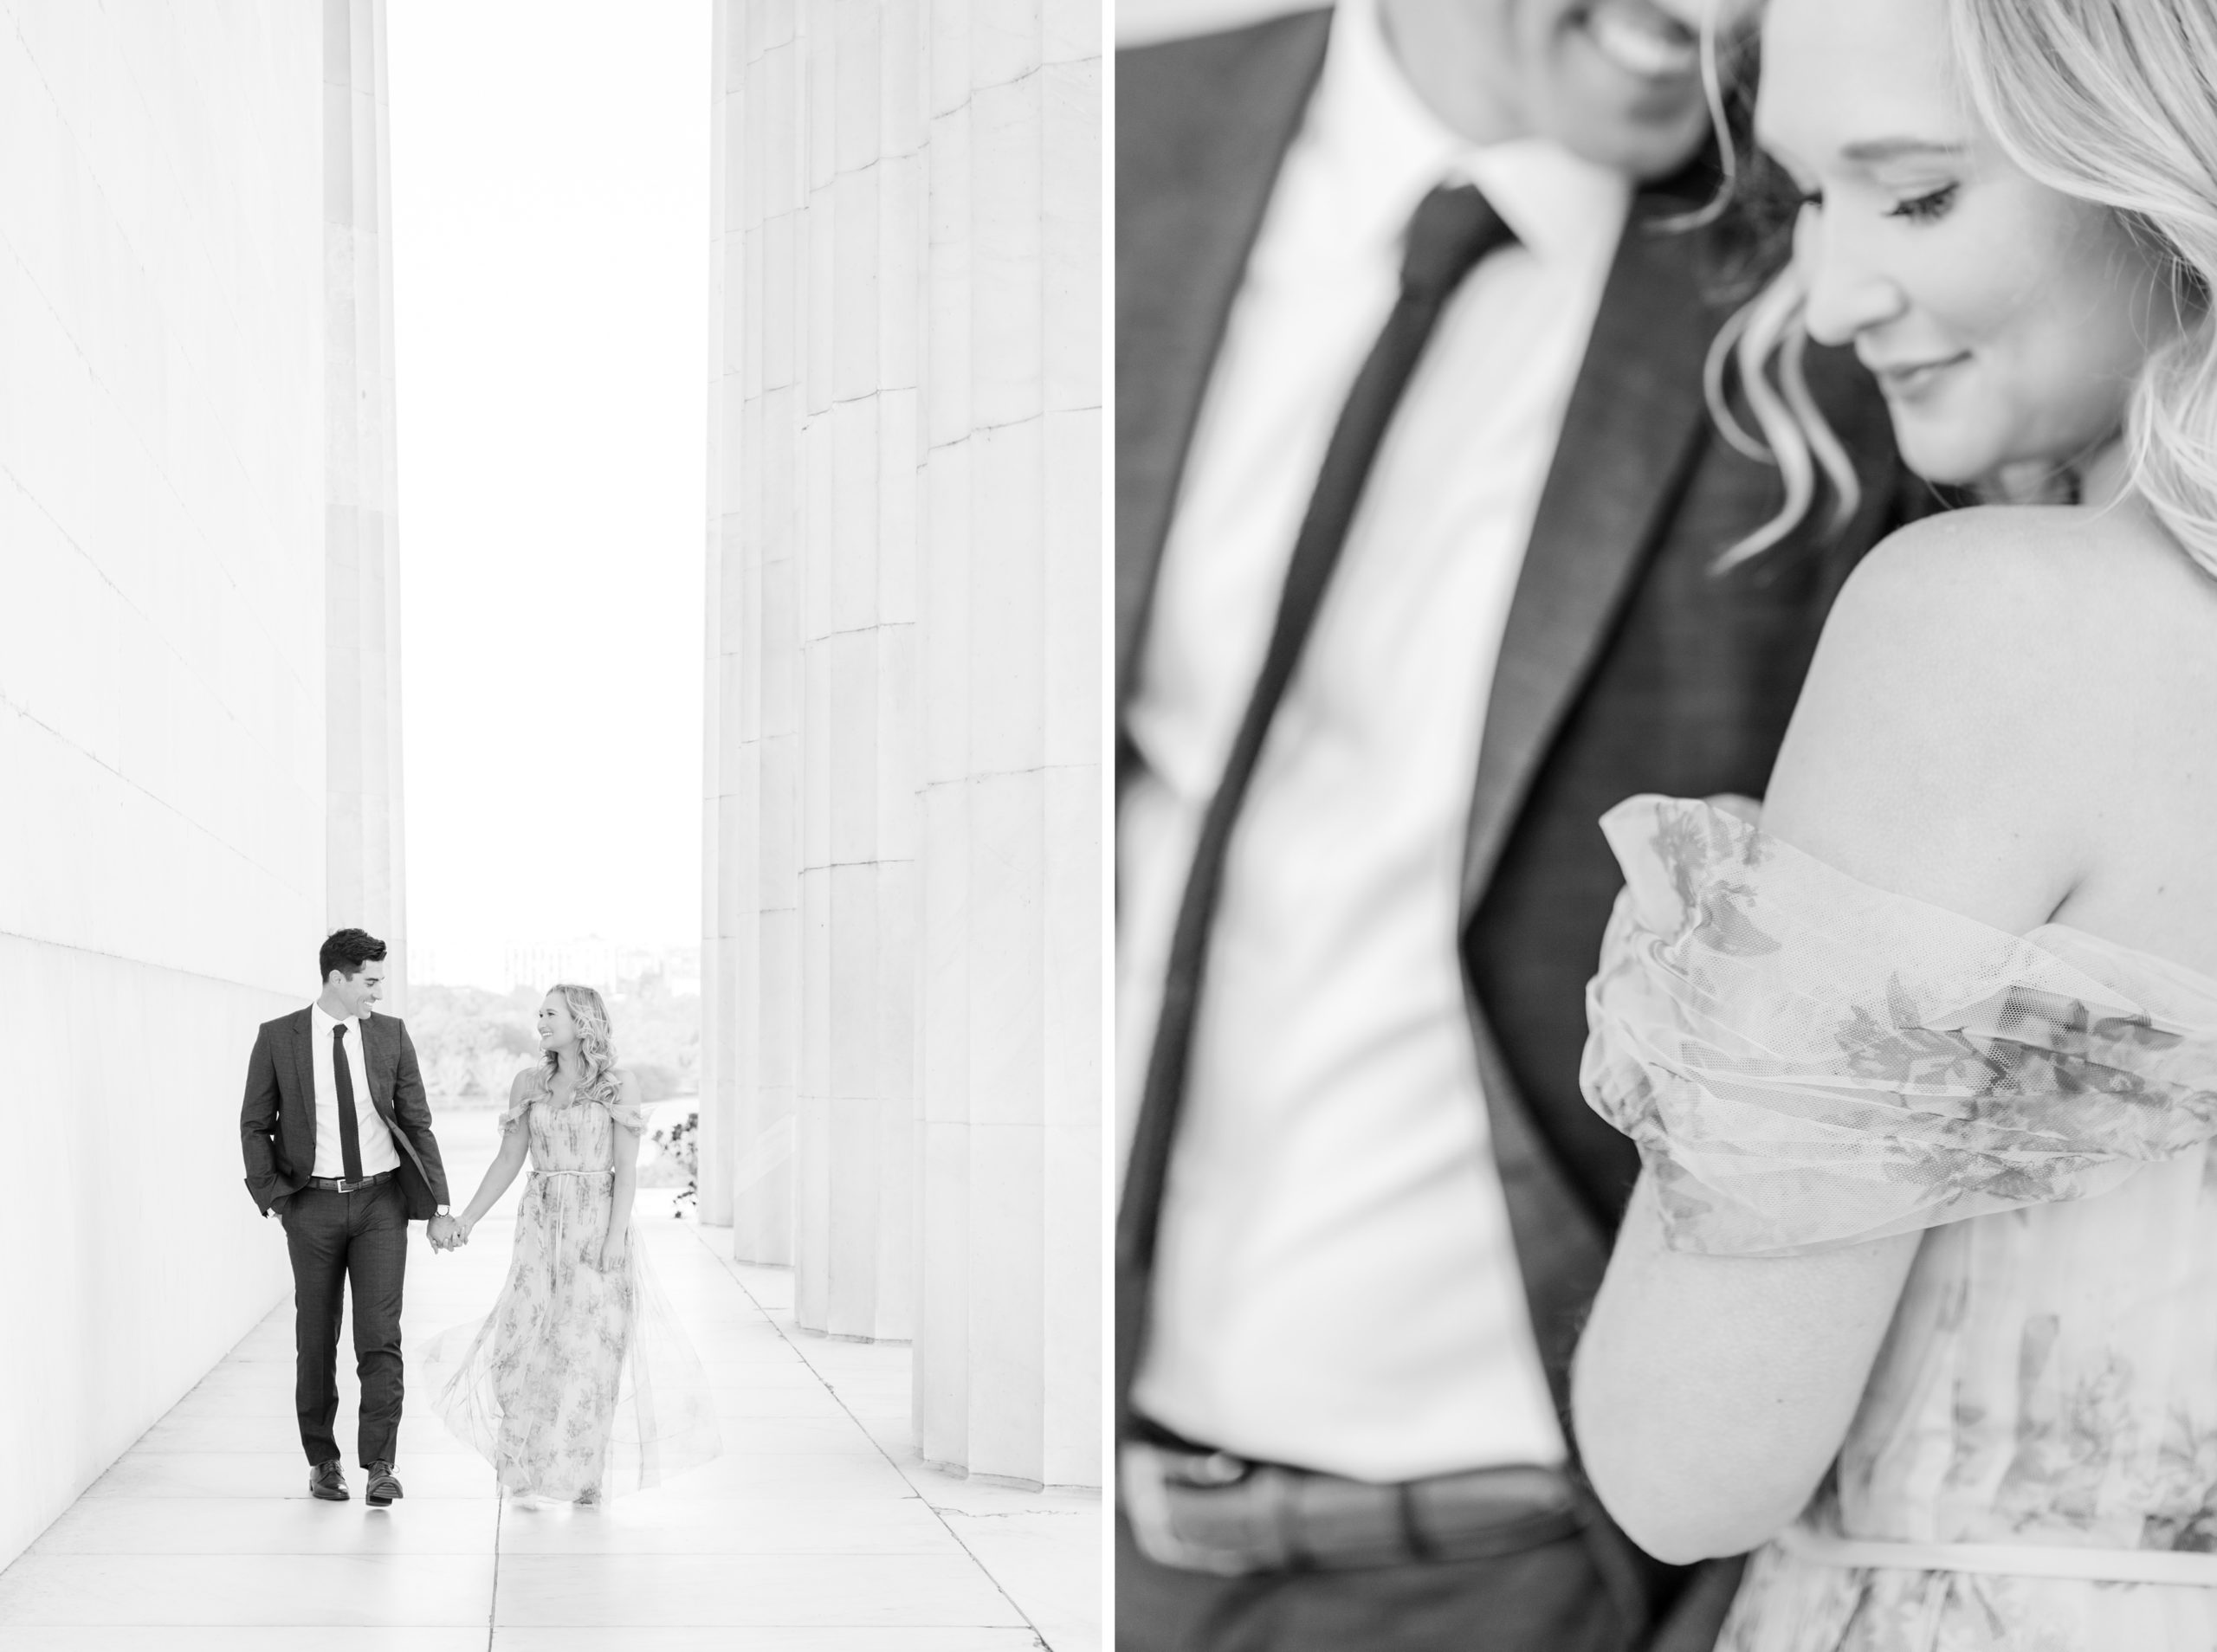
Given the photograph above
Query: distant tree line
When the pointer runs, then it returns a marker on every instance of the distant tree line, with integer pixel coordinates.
(469, 1041)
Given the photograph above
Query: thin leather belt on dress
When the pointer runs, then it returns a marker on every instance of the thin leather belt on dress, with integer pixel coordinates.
(1204, 1510)
(2007, 1559)
(572, 1173)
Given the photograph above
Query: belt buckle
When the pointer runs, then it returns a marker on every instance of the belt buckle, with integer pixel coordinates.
(1145, 1486)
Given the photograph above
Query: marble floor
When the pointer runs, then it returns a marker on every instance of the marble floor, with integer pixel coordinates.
(819, 1530)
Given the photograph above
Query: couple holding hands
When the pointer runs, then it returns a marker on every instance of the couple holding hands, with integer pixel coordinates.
(579, 1383)
(1545, 427)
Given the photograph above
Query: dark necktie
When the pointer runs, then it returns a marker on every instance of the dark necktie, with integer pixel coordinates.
(1452, 230)
(349, 1131)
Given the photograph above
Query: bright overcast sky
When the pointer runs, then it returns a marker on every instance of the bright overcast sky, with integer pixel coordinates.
(550, 211)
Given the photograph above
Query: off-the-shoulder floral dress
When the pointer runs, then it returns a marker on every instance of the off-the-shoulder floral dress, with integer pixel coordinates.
(579, 1381)
(1807, 1061)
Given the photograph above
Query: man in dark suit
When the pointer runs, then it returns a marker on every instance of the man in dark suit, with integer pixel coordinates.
(338, 1146)
(1418, 513)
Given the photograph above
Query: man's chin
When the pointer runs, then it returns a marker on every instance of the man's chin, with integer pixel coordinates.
(1642, 146)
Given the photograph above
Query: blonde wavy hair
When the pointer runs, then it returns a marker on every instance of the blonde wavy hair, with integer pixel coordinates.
(2109, 101)
(595, 1047)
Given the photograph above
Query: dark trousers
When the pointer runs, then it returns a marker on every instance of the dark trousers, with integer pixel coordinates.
(1559, 1597)
(338, 1240)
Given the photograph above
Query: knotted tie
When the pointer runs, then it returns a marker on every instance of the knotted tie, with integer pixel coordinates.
(1453, 228)
(349, 1130)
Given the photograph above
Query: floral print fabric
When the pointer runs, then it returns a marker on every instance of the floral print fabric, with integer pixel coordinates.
(579, 1381)
(1805, 1060)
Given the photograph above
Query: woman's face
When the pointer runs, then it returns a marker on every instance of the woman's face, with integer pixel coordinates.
(556, 1030)
(2005, 321)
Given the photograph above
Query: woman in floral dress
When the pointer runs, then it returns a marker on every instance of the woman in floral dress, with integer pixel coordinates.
(1917, 1298)
(578, 1384)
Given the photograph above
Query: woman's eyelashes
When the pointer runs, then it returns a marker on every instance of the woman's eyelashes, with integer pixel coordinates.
(1918, 209)
(1924, 208)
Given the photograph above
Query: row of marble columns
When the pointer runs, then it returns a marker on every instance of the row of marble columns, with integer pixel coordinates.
(365, 879)
(902, 1024)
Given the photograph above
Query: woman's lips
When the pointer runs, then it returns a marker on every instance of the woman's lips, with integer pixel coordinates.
(1912, 379)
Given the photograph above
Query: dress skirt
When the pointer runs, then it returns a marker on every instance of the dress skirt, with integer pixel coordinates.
(579, 1381)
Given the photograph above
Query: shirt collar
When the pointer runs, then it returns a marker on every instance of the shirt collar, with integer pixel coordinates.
(1559, 205)
(325, 1021)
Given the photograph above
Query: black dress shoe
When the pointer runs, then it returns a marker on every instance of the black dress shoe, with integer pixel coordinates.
(325, 1481)
(382, 1487)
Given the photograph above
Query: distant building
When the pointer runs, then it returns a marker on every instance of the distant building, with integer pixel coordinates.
(590, 962)
(607, 965)
(483, 964)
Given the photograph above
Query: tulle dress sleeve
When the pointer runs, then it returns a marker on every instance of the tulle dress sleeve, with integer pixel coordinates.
(517, 1110)
(1805, 1060)
(626, 1116)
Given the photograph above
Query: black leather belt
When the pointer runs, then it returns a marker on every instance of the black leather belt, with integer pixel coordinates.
(1203, 1511)
(341, 1184)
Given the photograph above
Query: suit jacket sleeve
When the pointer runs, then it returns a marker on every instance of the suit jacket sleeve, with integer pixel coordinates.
(413, 1111)
(258, 1122)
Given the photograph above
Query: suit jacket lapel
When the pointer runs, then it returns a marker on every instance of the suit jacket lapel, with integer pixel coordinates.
(1202, 128)
(304, 1072)
(375, 1042)
(1635, 414)
(373, 1067)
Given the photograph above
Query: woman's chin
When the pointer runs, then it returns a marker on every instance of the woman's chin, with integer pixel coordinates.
(1947, 457)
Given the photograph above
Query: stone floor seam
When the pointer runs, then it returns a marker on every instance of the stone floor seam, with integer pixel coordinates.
(938, 1513)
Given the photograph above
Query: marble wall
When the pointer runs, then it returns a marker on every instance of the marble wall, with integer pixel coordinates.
(167, 657)
(1141, 23)
(903, 877)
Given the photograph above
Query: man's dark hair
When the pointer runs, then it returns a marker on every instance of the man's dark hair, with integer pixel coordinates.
(347, 950)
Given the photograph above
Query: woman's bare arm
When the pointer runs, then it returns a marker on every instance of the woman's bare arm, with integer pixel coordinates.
(625, 1146)
(515, 1146)
(1711, 1393)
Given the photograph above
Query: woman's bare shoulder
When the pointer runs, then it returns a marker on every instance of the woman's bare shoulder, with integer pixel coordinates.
(1987, 576)
(1982, 689)
(1989, 618)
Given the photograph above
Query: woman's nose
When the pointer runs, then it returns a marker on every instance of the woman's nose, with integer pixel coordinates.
(1843, 293)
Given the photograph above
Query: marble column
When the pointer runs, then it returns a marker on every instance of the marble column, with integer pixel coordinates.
(364, 875)
(904, 755)
(860, 235)
(750, 955)
(810, 1040)
(1008, 1348)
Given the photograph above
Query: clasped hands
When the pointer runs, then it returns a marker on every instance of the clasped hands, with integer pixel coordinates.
(448, 1233)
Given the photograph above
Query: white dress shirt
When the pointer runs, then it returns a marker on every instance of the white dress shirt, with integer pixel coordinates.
(1335, 1285)
(378, 1151)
